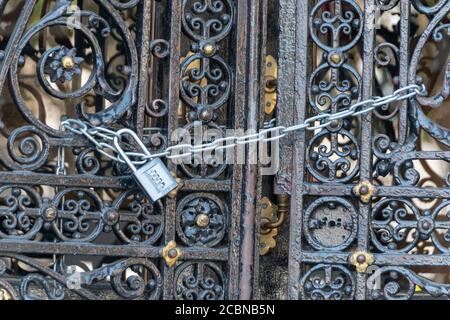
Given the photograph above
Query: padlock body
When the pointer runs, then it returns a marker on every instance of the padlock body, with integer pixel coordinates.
(155, 179)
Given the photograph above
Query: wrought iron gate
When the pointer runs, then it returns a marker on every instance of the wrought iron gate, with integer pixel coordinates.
(72, 223)
(369, 194)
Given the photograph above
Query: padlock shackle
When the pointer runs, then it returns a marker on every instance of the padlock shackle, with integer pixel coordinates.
(122, 153)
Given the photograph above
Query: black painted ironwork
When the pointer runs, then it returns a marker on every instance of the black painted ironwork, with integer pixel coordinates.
(369, 211)
(73, 224)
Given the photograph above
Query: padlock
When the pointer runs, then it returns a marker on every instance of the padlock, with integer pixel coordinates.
(154, 178)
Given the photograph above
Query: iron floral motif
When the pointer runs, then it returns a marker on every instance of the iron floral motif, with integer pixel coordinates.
(397, 225)
(201, 220)
(62, 64)
(19, 213)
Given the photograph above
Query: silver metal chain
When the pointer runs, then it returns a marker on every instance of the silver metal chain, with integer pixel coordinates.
(103, 138)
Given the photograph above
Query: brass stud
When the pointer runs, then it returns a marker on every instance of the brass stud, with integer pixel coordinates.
(361, 260)
(68, 62)
(209, 50)
(335, 58)
(171, 254)
(50, 213)
(365, 191)
(174, 193)
(202, 220)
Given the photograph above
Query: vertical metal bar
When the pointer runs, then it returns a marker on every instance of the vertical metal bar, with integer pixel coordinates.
(286, 91)
(99, 100)
(366, 135)
(236, 200)
(249, 30)
(143, 43)
(175, 8)
(262, 53)
(301, 56)
(405, 11)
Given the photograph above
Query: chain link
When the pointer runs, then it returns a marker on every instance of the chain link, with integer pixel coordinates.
(102, 138)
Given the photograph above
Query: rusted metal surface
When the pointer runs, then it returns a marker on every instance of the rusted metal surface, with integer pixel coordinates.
(63, 204)
(361, 202)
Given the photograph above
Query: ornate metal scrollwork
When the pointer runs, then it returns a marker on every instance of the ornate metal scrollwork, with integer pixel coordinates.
(199, 281)
(82, 225)
(394, 159)
(201, 220)
(328, 282)
(330, 223)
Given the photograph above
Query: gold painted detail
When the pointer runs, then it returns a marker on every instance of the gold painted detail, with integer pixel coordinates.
(209, 50)
(171, 254)
(202, 220)
(365, 191)
(335, 58)
(174, 193)
(361, 260)
(4, 295)
(270, 87)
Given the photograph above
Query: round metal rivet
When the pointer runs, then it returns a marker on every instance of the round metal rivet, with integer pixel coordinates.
(112, 216)
(202, 220)
(208, 50)
(361, 258)
(426, 225)
(173, 253)
(364, 190)
(206, 115)
(68, 62)
(50, 213)
(335, 58)
(334, 124)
